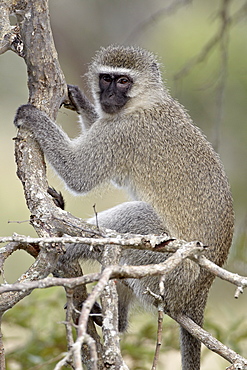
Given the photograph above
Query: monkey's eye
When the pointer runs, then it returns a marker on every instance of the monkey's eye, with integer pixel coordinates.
(123, 80)
(106, 78)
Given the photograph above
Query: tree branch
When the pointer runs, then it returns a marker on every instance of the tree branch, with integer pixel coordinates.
(210, 342)
(47, 90)
(9, 36)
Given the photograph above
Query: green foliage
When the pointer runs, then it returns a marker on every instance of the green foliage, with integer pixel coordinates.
(233, 334)
(43, 339)
(40, 340)
(35, 338)
(138, 346)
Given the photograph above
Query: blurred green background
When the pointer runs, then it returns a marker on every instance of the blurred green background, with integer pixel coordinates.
(80, 27)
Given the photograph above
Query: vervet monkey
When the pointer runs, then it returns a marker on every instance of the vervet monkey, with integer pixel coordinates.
(137, 135)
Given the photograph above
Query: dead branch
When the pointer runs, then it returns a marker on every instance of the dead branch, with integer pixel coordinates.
(113, 272)
(9, 35)
(109, 302)
(47, 89)
(162, 244)
(2, 351)
(122, 271)
(188, 250)
(156, 243)
(210, 342)
(85, 312)
(238, 280)
(30, 162)
(159, 335)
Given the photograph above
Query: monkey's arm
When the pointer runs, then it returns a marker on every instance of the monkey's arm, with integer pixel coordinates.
(81, 104)
(80, 162)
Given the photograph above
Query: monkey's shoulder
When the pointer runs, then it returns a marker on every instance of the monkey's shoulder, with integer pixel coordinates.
(165, 126)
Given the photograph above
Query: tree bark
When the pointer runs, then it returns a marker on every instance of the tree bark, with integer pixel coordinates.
(47, 90)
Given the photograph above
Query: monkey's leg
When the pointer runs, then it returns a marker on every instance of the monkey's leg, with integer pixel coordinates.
(125, 298)
(135, 217)
(138, 218)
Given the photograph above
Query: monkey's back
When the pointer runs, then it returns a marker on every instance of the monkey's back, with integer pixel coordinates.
(170, 164)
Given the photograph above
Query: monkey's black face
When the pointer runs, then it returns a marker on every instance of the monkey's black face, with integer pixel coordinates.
(113, 91)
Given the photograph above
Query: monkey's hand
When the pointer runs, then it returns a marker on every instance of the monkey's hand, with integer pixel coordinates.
(79, 102)
(76, 99)
(28, 116)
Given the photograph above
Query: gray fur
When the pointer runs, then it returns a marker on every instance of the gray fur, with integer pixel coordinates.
(151, 148)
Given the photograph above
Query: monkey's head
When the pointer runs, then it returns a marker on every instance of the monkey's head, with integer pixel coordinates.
(122, 77)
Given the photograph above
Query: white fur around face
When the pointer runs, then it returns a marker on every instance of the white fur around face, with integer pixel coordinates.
(115, 70)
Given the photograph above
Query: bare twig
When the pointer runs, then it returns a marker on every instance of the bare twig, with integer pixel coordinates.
(2, 352)
(69, 334)
(69, 318)
(186, 251)
(159, 334)
(82, 336)
(109, 302)
(156, 243)
(210, 342)
(136, 271)
(238, 280)
(113, 272)
(85, 312)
